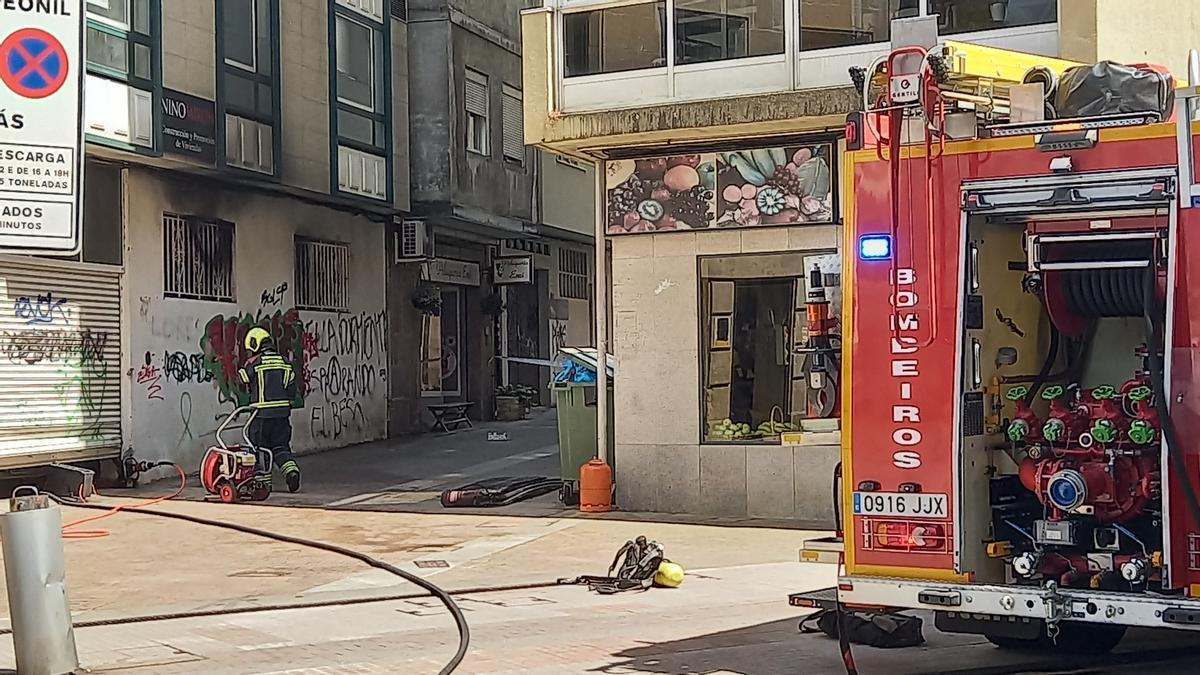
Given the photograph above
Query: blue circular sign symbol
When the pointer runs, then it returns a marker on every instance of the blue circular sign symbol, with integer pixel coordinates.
(33, 63)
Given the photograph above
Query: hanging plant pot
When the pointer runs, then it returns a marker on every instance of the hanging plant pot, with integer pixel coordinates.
(427, 299)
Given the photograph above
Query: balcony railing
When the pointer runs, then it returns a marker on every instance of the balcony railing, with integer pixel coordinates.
(625, 53)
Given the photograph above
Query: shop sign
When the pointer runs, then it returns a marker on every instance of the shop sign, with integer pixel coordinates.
(459, 272)
(513, 270)
(41, 138)
(792, 185)
(189, 126)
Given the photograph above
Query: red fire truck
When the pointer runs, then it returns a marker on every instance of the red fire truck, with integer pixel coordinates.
(1028, 465)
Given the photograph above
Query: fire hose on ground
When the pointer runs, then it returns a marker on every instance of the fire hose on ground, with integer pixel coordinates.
(464, 633)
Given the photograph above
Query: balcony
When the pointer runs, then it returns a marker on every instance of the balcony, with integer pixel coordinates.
(782, 58)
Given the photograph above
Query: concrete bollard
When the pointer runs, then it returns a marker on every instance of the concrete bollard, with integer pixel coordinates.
(35, 573)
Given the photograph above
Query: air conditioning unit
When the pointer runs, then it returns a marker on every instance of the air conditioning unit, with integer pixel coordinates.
(413, 243)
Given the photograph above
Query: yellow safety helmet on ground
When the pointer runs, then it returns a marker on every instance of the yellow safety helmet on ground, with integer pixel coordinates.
(255, 339)
(669, 575)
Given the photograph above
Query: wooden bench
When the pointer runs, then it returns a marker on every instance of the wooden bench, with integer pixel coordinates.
(448, 415)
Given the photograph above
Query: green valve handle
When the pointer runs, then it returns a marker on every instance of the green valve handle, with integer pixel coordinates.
(1017, 393)
(1018, 430)
(1104, 431)
(1104, 392)
(1141, 432)
(1140, 394)
(1051, 393)
(1053, 430)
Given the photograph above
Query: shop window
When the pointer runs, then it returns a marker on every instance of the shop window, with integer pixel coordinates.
(197, 258)
(716, 30)
(322, 275)
(477, 105)
(573, 275)
(759, 382)
(442, 358)
(964, 16)
(514, 129)
(790, 185)
(121, 40)
(615, 39)
(825, 24)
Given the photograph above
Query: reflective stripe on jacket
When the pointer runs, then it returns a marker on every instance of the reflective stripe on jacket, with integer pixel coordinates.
(271, 383)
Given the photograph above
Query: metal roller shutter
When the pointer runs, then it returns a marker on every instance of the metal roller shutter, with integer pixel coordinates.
(60, 362)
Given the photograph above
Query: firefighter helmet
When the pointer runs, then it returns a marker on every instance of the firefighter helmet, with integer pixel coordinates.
(669, 575)
(256, 339)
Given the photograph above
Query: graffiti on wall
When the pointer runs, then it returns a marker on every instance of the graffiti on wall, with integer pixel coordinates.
(353, 371)
(42, 309)
(273, 296)
(75, 358)
(223, 350)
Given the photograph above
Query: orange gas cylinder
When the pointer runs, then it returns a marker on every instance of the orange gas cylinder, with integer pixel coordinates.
(595, 487)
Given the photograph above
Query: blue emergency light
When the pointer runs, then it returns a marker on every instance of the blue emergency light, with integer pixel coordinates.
(875, 246)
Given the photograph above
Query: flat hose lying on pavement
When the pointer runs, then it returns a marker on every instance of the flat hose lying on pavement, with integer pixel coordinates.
(464, 631)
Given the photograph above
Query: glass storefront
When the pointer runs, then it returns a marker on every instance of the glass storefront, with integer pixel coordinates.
(757, 373)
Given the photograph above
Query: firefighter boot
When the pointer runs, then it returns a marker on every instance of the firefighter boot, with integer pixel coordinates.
(291, 474)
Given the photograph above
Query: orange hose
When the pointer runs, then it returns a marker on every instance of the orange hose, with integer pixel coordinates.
(96, 534)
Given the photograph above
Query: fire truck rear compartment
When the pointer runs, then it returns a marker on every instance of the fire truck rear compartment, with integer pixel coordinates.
(1060, 432)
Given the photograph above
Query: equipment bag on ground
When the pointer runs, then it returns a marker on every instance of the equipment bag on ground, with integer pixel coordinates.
(885, 631)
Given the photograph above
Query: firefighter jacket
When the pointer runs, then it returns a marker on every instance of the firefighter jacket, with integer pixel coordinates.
(271, 383)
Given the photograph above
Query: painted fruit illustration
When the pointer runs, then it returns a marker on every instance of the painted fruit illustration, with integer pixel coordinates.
(660, 194)
(774, 186)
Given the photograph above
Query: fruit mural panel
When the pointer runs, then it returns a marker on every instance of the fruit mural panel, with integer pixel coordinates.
(747, 188)
(775, 186)
(660, 194)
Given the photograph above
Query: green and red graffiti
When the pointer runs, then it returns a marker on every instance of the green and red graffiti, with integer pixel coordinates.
(224, 350)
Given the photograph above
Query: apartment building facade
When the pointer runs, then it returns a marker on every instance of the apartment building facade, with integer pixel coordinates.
(718, 125)
(508, 278)
(245, 162)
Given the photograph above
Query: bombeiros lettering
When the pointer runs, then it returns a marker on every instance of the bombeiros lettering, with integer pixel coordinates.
(905, 368)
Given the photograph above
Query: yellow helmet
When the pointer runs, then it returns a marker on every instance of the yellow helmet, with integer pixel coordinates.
(669, 575)
(255, 338)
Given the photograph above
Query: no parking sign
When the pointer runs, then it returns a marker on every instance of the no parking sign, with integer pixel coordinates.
(41, 134)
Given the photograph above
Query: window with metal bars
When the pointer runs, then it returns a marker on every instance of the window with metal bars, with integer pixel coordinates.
(198, 258)
(573, 278)
(514, 131)
(322, 275)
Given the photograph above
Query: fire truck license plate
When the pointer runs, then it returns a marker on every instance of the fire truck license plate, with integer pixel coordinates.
(899, 504)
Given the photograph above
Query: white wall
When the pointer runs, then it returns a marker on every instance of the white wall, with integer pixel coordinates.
(175, 401)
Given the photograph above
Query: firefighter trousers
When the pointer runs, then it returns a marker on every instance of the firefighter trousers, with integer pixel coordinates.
(275, 434)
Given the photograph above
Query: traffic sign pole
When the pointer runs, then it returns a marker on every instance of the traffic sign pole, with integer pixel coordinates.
(41, 127)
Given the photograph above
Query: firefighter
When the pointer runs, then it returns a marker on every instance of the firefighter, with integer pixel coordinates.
(271, 383)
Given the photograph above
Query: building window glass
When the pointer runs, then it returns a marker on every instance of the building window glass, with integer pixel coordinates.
(760, 377)
(121, 40)
(614, 40)
(198, 258)
(441, 340)
(476, 100)
(514, 129)
(360, 59)
(715, 30)
(322, 275)
(964, 16)
(239, 26)
(355, 63)
(836, 23)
